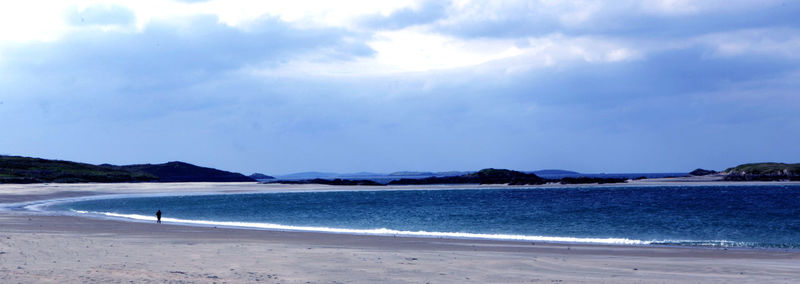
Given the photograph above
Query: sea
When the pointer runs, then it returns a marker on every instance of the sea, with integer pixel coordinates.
(743, 216)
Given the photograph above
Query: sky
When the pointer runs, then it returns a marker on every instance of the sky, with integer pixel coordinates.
(278, 87)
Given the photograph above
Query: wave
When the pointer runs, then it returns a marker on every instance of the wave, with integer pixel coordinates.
(378, 232)
(450, 235)
(716, 243)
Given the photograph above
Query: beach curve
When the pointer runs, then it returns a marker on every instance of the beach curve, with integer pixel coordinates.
(102, 250)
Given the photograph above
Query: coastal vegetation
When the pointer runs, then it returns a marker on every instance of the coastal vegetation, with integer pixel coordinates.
(764, 172)
(16, 169)
(184, 172)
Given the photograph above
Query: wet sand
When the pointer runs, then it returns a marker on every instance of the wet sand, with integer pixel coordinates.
(37, 247)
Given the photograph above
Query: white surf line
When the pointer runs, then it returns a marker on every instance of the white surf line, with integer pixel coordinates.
(374, 232)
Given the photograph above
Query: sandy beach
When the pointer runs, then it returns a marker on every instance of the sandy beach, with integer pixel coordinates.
(39, 247)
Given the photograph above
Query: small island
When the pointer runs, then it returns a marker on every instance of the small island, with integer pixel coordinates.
(485, 176)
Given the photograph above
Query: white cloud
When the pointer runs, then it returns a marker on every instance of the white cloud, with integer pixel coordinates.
(420, 48)
(413, 50)
(304, 12)
(38, 20)
(22, 21)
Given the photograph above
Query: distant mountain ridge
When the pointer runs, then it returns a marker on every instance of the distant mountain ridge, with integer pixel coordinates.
(429, 174)
(16, 169)
(303, 175)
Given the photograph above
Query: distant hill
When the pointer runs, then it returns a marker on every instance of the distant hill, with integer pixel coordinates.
(362, 174)
(555, 172)
(184, 172)
(337, 181)
(308, 175)
(15, 169)
(258, 176)
(451, 173)
(485, 176)
(412, 173)
(702, 172)
(764, 172)
(427, 174)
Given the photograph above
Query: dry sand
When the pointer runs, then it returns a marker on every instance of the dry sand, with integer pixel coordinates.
(36, 247)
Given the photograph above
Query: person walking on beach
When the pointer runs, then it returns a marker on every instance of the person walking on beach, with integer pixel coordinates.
(158, 216)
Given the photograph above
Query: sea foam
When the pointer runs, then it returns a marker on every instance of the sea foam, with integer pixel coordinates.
(377, 232)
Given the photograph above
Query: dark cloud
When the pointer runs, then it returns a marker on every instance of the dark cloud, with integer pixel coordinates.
(178, 53)
(188, 66)
(668, 73)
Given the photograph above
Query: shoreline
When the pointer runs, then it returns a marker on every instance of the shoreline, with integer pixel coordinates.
(33, 203)
(108, 250)
(41, 247)
(35, 209)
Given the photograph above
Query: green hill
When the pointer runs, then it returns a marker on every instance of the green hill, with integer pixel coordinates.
(764, 172)
(184, 172)
(15, 169)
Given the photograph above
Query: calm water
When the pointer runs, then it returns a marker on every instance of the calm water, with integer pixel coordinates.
(736, 216)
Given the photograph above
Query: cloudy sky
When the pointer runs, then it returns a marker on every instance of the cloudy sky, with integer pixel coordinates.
(289, 86)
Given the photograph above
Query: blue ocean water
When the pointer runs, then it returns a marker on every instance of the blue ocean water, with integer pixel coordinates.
(729, 216)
